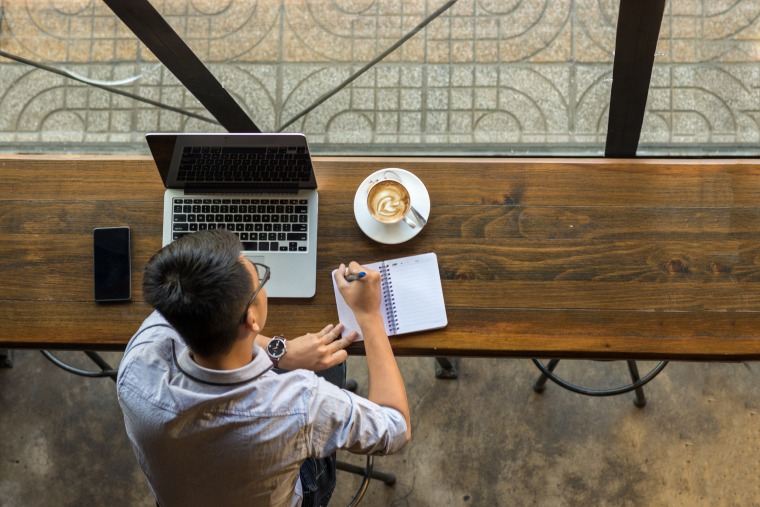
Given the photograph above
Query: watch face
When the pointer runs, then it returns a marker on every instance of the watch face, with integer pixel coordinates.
(276, 347)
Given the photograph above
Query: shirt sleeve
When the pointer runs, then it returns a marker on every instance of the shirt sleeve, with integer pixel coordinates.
(339, 419)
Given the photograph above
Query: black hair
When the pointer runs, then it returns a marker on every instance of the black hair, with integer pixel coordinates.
(200, 286)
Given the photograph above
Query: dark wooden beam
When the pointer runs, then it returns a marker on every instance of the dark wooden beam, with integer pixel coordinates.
(638, 29)
(153, 30)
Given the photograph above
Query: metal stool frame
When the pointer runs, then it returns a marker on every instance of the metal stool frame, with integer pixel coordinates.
(637, 382)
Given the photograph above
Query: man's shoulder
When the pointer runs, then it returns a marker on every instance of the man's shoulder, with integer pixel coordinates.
(153, 321)
(152, 342)
(147, 361)
(153, 328)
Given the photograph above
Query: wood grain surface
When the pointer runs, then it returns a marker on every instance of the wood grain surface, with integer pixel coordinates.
(584, 258)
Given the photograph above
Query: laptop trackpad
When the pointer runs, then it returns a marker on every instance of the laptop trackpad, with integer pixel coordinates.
(255, 258)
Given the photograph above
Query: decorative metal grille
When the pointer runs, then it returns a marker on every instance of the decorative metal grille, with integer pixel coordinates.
(487, 76)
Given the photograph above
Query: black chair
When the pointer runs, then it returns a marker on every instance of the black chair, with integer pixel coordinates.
(637, 382)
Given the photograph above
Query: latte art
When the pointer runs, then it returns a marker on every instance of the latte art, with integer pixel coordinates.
(388, 201)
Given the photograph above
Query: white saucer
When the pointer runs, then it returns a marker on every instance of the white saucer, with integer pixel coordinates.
(391, 234)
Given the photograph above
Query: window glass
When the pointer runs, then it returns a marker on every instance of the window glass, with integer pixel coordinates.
(703, 97)
(512, 77)
(483, 77)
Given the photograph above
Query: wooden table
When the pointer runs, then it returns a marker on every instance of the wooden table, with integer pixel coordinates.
(565, 258)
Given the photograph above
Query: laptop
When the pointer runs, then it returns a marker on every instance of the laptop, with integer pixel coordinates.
(262, 187)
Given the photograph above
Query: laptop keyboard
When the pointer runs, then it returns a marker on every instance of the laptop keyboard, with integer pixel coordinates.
(263, 225)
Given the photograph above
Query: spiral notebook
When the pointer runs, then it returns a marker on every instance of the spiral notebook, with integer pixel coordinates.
(412, 297)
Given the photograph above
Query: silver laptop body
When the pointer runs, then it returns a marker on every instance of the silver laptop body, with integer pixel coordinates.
(260, 186)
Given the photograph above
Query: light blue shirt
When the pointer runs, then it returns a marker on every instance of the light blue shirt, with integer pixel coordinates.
(209, 437)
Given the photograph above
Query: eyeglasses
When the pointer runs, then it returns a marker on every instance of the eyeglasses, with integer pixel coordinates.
(263, 272)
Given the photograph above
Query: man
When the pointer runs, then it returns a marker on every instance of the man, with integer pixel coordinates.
(210, 419)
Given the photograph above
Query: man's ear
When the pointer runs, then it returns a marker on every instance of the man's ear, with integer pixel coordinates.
(250, 323)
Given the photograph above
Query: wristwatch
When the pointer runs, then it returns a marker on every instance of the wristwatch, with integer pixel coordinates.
(276, 349)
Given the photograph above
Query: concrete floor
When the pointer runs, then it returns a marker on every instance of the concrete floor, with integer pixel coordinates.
(485, 439)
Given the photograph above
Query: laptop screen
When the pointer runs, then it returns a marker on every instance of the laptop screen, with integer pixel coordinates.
(233, 162)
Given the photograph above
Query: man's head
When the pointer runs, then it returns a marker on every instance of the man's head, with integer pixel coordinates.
(201, 284)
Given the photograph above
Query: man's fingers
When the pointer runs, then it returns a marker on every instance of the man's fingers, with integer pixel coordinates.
(340, 275)
(338, 345)
(343, 342)
(325, 331)
(343, 270)
(339, 356)
(331, 332)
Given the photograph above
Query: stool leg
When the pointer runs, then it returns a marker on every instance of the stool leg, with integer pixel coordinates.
(640, 400)
(540, 384)
(6, 358)
(447, 367)
(388, 479)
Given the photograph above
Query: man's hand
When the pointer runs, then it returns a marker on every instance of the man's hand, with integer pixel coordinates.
(318, 351)
(363, 295)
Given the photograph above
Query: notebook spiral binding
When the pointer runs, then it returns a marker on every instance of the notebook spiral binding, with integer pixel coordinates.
(390, 300)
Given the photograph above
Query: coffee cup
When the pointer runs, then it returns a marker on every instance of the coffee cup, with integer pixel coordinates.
(389, 201)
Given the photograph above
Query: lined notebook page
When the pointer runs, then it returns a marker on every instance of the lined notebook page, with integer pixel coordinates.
(415, 287)
(414, 284)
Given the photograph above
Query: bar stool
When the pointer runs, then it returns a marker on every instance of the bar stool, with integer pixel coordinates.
(368, 473)
(637, 382)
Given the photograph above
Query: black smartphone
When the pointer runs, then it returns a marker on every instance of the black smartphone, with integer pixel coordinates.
(113, 266)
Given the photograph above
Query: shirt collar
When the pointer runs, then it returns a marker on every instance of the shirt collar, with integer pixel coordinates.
(251, 371)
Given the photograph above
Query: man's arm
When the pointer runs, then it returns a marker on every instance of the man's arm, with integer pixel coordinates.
(386, 386)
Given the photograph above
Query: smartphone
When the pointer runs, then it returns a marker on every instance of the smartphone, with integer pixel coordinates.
(113, 266)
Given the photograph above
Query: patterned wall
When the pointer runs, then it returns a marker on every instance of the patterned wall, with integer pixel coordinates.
(514, 76)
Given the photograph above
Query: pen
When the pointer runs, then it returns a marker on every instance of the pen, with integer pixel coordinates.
(355, 276)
